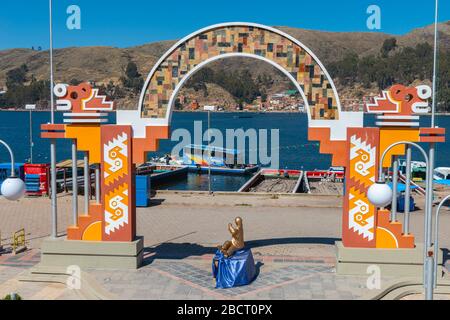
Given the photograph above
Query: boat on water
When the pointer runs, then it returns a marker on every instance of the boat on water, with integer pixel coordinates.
(441, 173)
(418, 169)
(202, 159)
(335, 174)
(297, 181)
(325, 181)
(276, 181)
(162, 173)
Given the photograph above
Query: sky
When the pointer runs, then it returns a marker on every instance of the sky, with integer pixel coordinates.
(125, 23)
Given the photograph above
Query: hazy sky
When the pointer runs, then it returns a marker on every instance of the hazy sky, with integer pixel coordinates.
(133, 22)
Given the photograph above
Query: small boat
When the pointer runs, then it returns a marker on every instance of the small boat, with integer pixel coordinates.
(202, 159)
(161, 173)
(276, 181)
(418, 169)
(333, 173)
(441, 173)
(326, 181)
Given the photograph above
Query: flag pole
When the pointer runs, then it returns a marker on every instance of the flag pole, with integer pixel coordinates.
(54, 230)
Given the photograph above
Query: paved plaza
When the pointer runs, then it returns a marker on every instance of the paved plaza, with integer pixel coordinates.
(292, 240)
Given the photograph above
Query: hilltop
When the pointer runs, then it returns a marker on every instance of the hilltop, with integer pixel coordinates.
(106, 65)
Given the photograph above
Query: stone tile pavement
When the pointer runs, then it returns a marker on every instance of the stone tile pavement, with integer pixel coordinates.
(293, 246)
(190, 278)
(12, 266)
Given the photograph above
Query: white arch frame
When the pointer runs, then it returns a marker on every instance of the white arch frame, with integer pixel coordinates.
(338, 127)
(234, 24)
(230, 55)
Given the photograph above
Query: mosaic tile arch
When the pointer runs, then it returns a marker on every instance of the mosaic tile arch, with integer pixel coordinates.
(241, 39)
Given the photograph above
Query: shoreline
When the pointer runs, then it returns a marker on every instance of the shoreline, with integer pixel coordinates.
(217, 112)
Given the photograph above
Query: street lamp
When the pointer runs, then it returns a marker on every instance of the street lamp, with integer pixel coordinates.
(436, 237)
(13, 187)
(379, 195)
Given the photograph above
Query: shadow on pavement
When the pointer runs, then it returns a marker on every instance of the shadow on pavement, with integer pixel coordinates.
(170, 250)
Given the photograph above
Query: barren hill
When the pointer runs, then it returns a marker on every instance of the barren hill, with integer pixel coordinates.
(105, 64)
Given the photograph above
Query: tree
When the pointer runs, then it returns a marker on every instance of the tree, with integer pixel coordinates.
(132, 71)
(388, 45)
(132, 79)
(74, 82)
(16, 76)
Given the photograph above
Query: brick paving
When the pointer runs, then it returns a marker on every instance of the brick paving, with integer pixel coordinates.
(175, 279)
(293, 246)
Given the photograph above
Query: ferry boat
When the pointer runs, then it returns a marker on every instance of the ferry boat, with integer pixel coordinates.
(333, 173)
(161, 173)
(329, 182)
(276, 181)
(326, 181)
(201, 158)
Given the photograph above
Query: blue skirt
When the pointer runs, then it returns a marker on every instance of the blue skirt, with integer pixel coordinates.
(237, 270)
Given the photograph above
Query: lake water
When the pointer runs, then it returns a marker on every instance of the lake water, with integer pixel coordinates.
(295, 151)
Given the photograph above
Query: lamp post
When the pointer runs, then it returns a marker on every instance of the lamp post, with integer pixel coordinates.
(209, 109)
(13, 187)
(436, 238)
(31, 107)
(380, 194)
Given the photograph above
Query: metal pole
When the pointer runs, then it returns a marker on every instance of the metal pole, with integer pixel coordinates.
(407, 191)
(430, 194)
(394, 188)
(52, 106)
(86, 183)
(97, 183)
(31, 138)
(13, 174)
(428, 201)
(433, 106)
(429, 278)
(53, 187)
(428, 221)
(209, 153)
(436, 238)
(74, 183)
(52, 141)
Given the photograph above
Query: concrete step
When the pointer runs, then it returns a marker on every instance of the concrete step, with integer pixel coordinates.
(89, 287)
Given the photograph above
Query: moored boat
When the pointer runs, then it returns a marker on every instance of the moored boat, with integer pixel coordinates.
(161, 173)
(203, 159)
(276, 181)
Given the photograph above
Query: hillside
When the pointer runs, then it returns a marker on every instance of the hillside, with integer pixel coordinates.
(105, 64)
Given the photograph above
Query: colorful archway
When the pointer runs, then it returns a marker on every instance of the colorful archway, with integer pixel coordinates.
(326, 120)
(118, 147)
(237, 39)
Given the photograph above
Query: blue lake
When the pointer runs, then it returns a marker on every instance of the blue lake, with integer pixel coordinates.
(295, 152)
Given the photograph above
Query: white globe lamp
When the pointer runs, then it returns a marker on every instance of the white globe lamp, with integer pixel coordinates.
(380, 194)
(13, 188)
